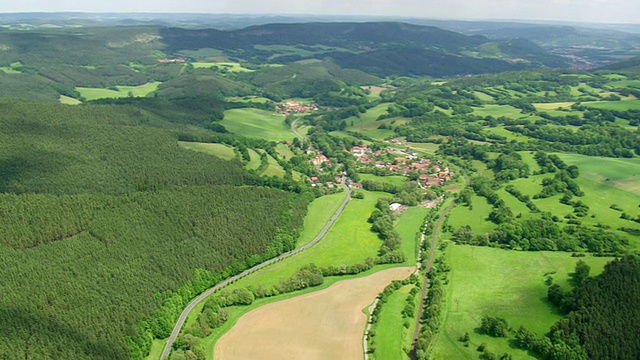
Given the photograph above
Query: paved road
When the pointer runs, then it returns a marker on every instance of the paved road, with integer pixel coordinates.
(295, 131)
(204, 295)
(425, 284)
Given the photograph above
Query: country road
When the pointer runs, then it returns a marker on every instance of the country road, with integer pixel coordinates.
(204, 295)
(294, 130)
(425, 284)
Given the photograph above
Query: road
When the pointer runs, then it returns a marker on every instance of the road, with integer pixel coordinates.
(204, 295)
(294, 130)
(425, 284)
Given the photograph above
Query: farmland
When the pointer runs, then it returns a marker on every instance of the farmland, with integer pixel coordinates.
(320, 325)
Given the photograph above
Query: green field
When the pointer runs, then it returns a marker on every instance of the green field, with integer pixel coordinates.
(122, 92)
(499, 110)
(475, 216)
(257, 123)
(393, 179)
(622, 105)
(408, 226)
(224, 66)
(368, 122)
(9, 70)
(220, 150)
(502, 283)
(391, 336)
(274, 169)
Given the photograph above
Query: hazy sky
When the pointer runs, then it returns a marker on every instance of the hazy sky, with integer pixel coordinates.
(619, 11)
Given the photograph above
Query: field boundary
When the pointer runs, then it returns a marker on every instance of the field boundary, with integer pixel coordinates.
(183, 316)
(425, 284)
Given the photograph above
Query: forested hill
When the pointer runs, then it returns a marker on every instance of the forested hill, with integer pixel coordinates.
(398, 48)
(108, 228)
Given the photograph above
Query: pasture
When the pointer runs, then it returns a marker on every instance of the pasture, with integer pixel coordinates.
(222, 66)
(391, 336)
(121, 92)
(396, 180)
(326, 324)
(220, 150)
(622, 105)
(508, 284)
(257, 123)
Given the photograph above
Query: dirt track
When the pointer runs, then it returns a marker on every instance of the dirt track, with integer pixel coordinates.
(326, 324)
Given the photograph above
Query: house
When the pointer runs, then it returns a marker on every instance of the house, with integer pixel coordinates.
(359, 151)
(319, 160)
(355, 185)
(394, 206)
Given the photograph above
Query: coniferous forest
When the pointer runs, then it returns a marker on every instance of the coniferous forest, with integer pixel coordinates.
(104, 221)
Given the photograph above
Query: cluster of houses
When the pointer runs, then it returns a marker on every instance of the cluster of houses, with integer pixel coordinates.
(404, 163)
(293, 107)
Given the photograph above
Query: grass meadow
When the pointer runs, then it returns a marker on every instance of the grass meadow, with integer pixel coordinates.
(220, 150)
(622, 105)
(225, 66)
(391, 336)
(257, 123)
(123, 91)
(393, 179)
(508, 284)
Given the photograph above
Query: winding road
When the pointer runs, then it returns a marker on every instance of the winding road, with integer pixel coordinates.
(204, 295)
(294, 130)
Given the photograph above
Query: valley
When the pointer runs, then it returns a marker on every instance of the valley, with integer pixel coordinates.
(145, 165)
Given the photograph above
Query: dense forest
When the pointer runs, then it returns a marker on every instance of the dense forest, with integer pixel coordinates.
(110, 217)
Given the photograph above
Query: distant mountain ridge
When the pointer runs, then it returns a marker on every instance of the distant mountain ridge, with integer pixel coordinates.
(354, 44)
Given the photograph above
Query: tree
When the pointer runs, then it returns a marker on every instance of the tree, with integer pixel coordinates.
(581, 272)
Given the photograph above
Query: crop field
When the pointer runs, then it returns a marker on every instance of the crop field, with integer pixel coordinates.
(257, 123)
(326, 324)
(220, 150)
(502, 283)
(123, 91)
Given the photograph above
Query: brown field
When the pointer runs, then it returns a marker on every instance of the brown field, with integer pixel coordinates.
(327, 324)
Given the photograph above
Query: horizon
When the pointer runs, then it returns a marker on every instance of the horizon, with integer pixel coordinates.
(573, 11)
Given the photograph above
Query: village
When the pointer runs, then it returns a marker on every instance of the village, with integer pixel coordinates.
(290, 107)
(388, 161)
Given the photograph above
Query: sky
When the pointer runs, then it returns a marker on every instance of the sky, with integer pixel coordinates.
(600, 11)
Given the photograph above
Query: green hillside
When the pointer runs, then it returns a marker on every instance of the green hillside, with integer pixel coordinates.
(103, 214)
